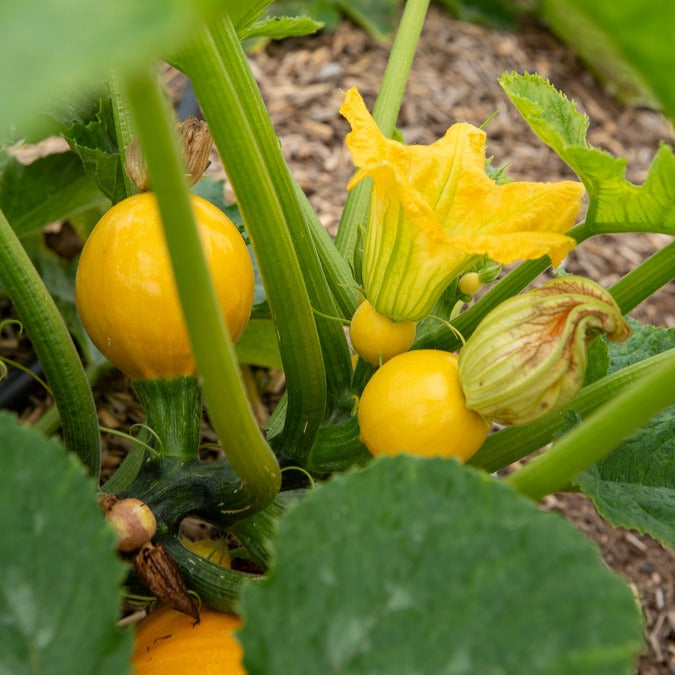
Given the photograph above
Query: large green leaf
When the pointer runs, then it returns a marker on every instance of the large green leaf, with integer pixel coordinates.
(59, 574)
(628, 42)
(425, 566)
(615, 205)
(635, 485)
(52, 49)
(47, 190)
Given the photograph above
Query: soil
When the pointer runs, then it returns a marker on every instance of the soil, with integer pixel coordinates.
(454, 78)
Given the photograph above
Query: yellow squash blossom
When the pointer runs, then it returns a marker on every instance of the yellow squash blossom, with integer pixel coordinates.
(434, 208)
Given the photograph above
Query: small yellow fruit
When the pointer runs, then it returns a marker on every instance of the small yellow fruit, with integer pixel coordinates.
(214, 551)
(414, 404)
(376, 338)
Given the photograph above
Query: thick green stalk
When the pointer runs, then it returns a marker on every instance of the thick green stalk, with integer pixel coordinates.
(645, 279)
(385, 112)
(54, 348)
(514, 443)
(600, 433)
(336, 356)
(246, 166)
(224, 392)
(173, 409)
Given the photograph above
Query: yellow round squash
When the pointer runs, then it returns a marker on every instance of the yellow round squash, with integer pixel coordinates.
(168, 642)
(126, 293)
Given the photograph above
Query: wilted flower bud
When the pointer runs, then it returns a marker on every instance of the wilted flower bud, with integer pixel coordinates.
(196, 142)
(527, 358)
(133, 522)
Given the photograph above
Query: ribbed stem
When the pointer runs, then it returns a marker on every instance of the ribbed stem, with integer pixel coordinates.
(224, 392)
(231, 123)
(335, 351)
(514, 443)
(385, 112)
(173, 409)
(54, 348)
(600, 433)
(645, 279)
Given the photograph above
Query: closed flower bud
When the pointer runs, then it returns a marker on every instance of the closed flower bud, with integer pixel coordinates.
(527, 358)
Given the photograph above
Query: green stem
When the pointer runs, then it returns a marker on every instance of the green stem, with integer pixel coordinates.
(645, 279)
(124, 126)
(588, 443)
(54, 348)
(385, 112)
(173, 409)
(336, 358)
(224, 392)
(246, 165)
(514, 443)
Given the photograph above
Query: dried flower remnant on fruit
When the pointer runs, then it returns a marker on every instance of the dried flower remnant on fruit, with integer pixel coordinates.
(158, 571)
(528, 357)
(434, 211)
(196, 142)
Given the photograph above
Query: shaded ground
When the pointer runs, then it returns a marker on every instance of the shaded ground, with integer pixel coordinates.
(454, 78)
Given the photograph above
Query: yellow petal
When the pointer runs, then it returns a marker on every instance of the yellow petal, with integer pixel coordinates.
(434, 208)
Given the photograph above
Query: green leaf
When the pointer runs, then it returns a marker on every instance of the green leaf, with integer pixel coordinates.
(59, 48)
(49, 189)
(377, 17)
(244, 14)
(258, 345)
(59, 277)
(95, 142)
(493, 13)
(280, 27)
(425, 566)
(626, 43)
(60, 577)
(598, 361)
(615, 205)
(323, 11)
(634, 486)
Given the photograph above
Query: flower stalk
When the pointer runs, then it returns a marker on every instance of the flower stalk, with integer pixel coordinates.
(601, 432)
(54, 348)
(214, 354)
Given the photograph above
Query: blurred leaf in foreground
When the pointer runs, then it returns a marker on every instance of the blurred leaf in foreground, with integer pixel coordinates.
(425, 566)
(59, 574)
(627, 42)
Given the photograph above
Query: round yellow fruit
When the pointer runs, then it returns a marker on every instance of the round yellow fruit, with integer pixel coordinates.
(126, 293)
(376, 338)
(414, 404)
(168, 642)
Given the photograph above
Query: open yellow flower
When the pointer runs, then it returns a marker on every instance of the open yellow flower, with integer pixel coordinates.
(434, 208)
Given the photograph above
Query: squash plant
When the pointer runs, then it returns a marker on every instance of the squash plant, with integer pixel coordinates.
(395, 564)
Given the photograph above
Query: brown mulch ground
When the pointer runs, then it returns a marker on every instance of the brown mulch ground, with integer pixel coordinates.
(454, 78)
